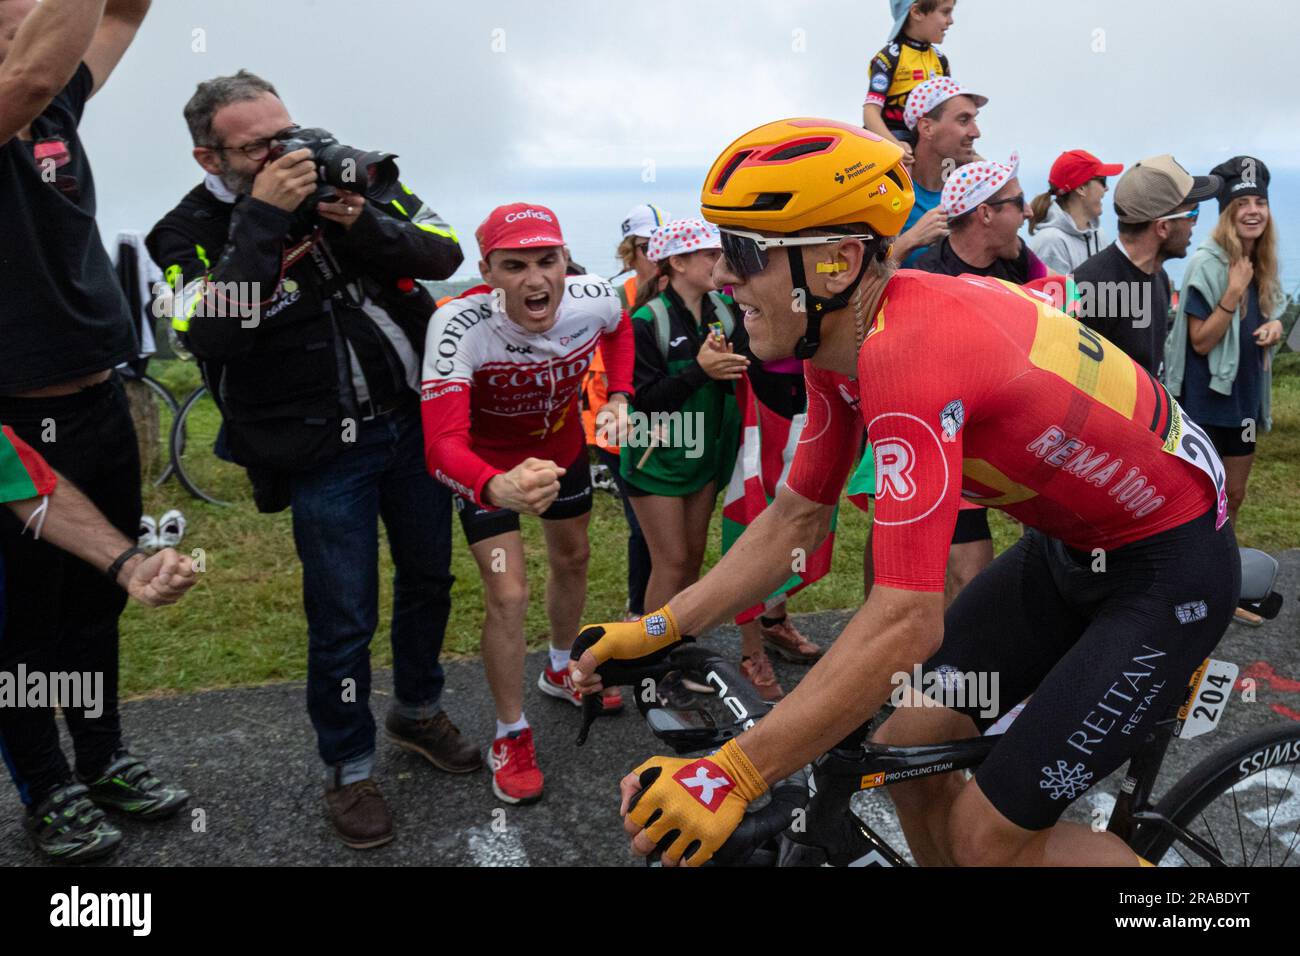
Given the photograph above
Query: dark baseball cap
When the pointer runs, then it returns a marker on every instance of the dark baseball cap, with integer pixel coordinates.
(1242, 176)
(1157, 186)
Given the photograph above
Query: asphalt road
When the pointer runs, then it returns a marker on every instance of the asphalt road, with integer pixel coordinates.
(248, 756)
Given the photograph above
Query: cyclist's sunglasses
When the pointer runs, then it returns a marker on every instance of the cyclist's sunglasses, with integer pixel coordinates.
(1193, 214)
(746, 252)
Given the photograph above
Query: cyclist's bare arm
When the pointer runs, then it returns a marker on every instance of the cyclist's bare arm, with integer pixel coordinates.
(760, 561)
(892, 632)
(42, 58)
(755, 566)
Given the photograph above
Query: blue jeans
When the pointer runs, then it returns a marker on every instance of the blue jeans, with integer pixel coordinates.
(335, 528)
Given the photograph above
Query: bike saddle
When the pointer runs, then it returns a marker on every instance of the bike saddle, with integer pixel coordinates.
(1258, 575)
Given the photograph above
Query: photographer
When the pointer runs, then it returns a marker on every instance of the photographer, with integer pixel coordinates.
(299, 298)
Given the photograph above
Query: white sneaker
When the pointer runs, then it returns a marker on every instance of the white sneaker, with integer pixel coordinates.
(171, 528)
(148, 537)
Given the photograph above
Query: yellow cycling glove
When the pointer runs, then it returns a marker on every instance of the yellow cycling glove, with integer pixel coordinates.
(629, 641)
(703, 800)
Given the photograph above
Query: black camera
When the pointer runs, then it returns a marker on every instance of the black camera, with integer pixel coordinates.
(337, 166)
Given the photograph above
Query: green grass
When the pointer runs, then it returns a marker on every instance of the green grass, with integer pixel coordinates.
(243, 623)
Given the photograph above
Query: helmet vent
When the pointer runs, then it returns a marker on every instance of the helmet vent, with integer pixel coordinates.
(787, 153)
(770, 202)
(730, 168)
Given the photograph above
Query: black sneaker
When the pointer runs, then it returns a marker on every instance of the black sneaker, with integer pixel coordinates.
(68, 828)
(130, 786)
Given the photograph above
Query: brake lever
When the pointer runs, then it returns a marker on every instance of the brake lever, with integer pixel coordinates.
(614, 673)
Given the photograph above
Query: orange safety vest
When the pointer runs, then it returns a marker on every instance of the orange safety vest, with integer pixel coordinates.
(595, 388)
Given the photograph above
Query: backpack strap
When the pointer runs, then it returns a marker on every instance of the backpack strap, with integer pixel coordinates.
(723, 310)
(662, 332)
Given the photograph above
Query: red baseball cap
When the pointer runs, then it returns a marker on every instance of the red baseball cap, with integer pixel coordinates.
(1074, 168)
(520, 225)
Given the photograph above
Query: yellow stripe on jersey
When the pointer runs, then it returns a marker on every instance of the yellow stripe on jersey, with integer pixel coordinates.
(981, 471)
(1082, 357)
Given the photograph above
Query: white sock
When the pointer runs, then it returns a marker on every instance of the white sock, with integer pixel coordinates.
(505, 730)
(559, 659)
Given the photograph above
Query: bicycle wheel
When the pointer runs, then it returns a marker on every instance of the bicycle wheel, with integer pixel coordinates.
(1243, 800)
(193, 443)
(153, 411)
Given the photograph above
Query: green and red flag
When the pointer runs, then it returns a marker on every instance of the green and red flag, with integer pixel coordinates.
(767, 446)
(23, 473)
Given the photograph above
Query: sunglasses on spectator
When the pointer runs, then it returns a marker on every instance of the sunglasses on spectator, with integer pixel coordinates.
(1018, 201)
(1191, 214)
(746, 252)
(641, 247)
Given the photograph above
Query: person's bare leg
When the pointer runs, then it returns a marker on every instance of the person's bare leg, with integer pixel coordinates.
(663, 523)
(567, 554)
(981, 836)
(698, 509)
(751, 638)
(1237, 470)
(964, 562)
(925, 805)
(505, 603)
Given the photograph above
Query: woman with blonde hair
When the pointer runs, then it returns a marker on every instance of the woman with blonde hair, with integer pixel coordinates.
(1219, 353)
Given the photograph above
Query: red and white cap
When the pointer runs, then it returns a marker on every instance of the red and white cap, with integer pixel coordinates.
(520, 225)
(930, 94)
(681, 236)
(974, 183)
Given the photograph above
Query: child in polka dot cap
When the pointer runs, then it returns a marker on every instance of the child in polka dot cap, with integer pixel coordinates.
(681, 236)
(974, 183)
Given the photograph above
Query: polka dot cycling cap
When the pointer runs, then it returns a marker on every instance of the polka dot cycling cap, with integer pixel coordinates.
(680, 237)
(974, 183)
(930, 94)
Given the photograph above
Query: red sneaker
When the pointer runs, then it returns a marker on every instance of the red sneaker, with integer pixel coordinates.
(515, 775)
(559, 684)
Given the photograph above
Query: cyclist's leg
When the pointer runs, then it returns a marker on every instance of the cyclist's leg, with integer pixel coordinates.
(564, 525)
(994, 630)
(498, 549)
(1169, 600)
(971, 551)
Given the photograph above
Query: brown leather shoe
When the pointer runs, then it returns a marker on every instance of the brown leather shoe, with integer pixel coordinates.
(437, 740)
(359, 814)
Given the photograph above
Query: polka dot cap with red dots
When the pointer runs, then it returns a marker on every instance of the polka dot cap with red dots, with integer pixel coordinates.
(680, 237)
(974, 183)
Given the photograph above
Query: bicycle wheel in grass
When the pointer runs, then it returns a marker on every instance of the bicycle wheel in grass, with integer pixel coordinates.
(193, 443)
(1243, 801)
(153, 412)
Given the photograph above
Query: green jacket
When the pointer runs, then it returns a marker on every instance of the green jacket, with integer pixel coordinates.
(1207, 273)
(702, 432)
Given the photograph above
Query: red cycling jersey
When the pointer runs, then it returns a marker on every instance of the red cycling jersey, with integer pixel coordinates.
(494, 394)
(972, 388)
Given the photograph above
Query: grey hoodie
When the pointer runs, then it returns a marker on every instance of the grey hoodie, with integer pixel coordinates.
(1061, 244)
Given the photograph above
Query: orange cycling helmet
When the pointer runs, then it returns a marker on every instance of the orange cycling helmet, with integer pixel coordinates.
(799, 174)
(805, 173)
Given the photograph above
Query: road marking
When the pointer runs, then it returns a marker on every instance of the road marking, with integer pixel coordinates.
(491, 847)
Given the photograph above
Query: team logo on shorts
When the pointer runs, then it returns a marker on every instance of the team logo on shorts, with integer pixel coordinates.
(1191, 612)
(952, 418)
(656, 625)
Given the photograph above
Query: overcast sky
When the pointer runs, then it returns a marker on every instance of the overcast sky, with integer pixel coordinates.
(490, 101)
